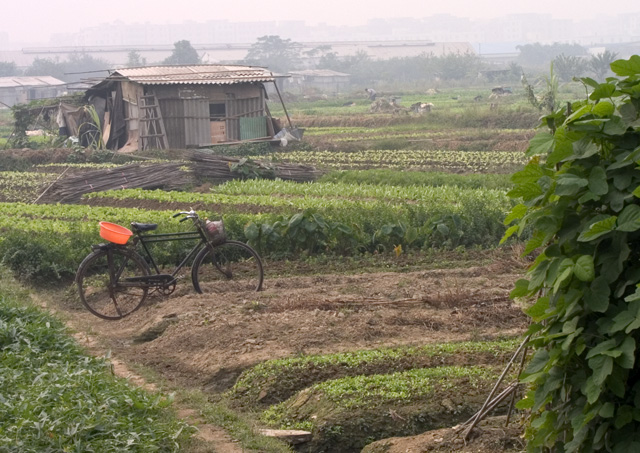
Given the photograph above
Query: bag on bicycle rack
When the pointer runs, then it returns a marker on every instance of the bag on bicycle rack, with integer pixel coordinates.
(215, 231)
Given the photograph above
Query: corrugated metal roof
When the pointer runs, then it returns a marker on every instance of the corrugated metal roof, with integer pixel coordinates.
(39, 81)
(196, 74)
(319, 73)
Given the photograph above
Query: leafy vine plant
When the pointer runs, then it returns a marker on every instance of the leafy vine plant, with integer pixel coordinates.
(580, 203)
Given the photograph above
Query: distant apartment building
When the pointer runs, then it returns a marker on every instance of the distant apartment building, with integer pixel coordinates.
(516, 28)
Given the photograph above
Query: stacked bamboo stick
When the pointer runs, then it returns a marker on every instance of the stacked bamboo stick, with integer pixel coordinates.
(216, 168)
(166, 176)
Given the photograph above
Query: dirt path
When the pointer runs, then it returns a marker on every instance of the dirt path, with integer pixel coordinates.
(206, 341)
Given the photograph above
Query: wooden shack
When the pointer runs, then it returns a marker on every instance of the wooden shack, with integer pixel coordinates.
(184, 106)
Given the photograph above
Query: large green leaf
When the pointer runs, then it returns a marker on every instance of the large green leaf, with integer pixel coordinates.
(622, 160)
(537, 240)
(517, 212)
(585, 109)
(601, 347)
(628, 67)
(603, 108)
(592, 390)
(510, 232)
(526, 191)
(622, 181)
(615, 126)
(541, 143)
(538, 311)
(521, 289)
(598, 181)
(547, 223)
(584, 269)
(569, 184)
(625, 318)
(584, 148)
(530, 173)
(538, 362)
(598, 229)
(597, 295)
(604, 90)
(628, 357)
(617, 199)
(602, 367)
(629, 218)
(538, 275)
(624, 416)
(251, 231)
(607, 410)
(565, 271)
(590, 82)
(629, 113)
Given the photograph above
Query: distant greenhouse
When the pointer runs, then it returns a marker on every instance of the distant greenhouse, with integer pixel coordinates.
(20, 90)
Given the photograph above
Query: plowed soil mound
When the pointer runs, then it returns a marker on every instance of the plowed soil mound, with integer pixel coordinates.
(207, 340)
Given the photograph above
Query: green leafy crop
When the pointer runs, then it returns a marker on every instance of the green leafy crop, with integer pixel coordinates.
(53, 397)
(580, 195)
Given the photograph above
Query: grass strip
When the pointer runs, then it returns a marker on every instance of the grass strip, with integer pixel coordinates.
(345, 414)
(54, 397)
(216, 411)
(404, 178)
(405, 159)
(276, 380)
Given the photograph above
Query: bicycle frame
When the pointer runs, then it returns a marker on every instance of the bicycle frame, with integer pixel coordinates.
(107, 277)
(170, 237)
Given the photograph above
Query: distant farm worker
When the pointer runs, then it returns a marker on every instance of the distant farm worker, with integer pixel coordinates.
(372, 93)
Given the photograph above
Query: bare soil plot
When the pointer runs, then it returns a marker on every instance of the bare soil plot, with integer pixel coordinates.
(206, 341)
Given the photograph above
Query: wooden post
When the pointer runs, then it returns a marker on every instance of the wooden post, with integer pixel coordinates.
(282, 102)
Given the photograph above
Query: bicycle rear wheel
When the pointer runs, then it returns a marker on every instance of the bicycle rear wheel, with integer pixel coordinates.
(102, 285)
(231, 267)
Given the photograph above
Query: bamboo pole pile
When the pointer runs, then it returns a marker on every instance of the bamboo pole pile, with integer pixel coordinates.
(166, 176)
(217, 169)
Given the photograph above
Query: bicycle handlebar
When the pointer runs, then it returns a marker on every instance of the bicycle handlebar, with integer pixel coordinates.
(187, 215)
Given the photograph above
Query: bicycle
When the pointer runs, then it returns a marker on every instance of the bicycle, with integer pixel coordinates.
(114, 280)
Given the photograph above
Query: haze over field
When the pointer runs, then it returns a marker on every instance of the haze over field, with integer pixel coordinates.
(38, 21)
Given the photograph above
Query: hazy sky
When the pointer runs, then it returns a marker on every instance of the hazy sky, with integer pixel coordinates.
(36, 20)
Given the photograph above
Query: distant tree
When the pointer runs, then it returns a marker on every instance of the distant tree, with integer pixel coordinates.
(275, 53)
(600, 63)
(537, 54)
(46, 67)
(79, 66)
(183, 54)
(8, 69)
(457, 66)
(567, 66)
(75, 68)
(134, 59)
(330, 60)
(515, 70)
(318, 51)
(324, 57)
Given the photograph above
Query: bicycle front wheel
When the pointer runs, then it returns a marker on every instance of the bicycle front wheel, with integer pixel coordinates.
(230, 267)
(102, 283)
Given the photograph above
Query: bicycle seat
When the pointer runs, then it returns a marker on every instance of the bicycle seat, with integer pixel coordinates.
(144, 226)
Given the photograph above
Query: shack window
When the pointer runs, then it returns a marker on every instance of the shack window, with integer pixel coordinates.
(217, 111)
